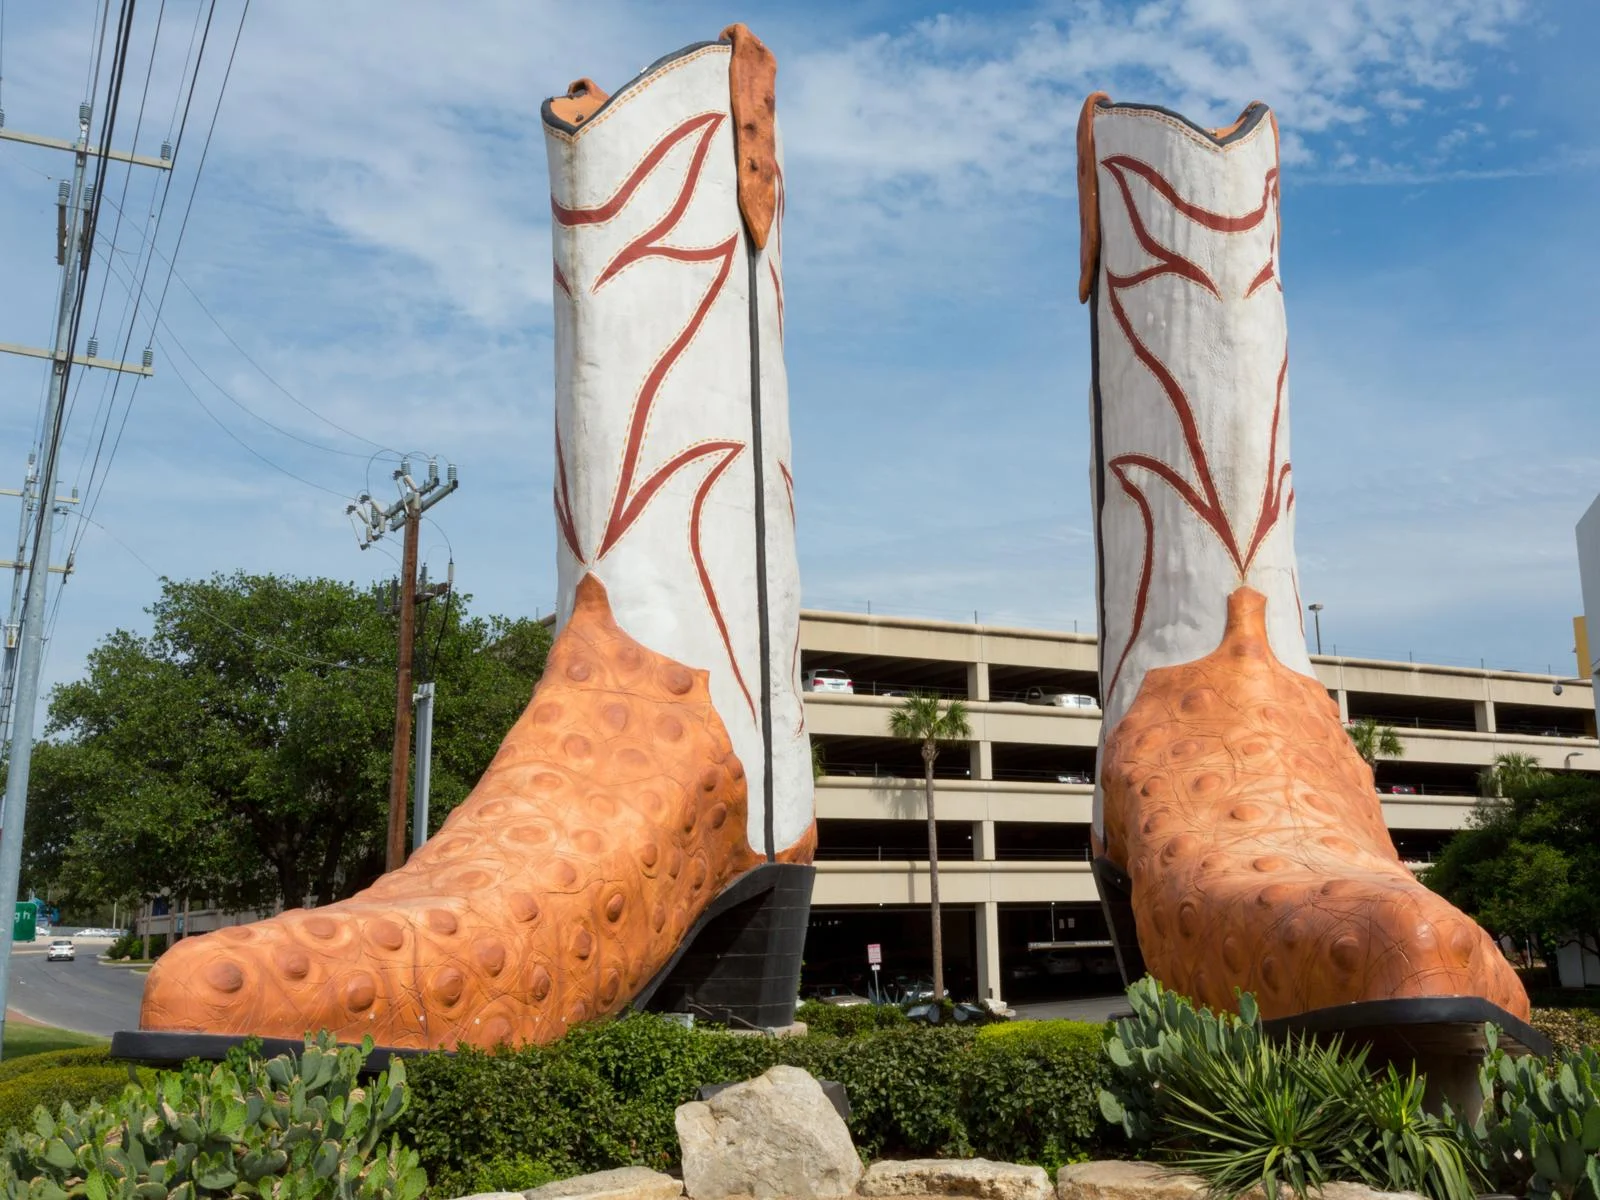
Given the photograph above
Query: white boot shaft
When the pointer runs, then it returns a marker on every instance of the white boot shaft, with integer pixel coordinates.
(1194, 493)
(665, 308)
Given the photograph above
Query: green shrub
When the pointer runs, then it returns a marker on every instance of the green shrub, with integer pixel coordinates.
(904, 1085)
(605, 1095)
(848, 1021)
(290, 1128)
(1568, 1028)
(507, 1173)
(1218, 1097)
(77, 1056)
(55, 1086)
(1030, 1091)
(131, 945)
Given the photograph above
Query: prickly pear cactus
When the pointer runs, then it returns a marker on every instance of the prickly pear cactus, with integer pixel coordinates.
(1541, 1124)
(285, 1129)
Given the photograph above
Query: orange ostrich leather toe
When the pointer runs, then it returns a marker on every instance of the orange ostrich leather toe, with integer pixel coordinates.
(612, 815)
(1256, 845)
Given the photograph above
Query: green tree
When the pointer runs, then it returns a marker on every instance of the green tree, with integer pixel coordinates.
(1510, 773)
(1528, 864)
(1374, 741)
(239, 752)
(925, 720)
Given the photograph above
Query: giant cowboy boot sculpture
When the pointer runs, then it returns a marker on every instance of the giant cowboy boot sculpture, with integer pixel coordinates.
(1232, 809)
(643, 834)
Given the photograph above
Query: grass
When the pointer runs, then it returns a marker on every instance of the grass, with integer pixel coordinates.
(24, 1039)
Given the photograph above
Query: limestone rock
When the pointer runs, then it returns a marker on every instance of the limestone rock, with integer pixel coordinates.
(623, 1183)
(1360, 1191)
(773, 1136)
(956, 1177)
(1116, 1180)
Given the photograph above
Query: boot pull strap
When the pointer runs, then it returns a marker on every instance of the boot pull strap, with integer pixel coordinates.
(1088, 197)
(584, 97)
(752, 77)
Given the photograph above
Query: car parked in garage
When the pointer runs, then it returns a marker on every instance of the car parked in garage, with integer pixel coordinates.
(1059, 699)
(825, 679)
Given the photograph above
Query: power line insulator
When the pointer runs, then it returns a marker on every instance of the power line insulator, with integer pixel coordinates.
(148, 358)
(94, 347)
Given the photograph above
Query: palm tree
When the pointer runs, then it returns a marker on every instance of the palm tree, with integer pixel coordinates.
(1374, 741)
(923, 719)
(1510, 775)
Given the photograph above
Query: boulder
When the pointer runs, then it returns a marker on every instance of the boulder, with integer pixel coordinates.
(774, 1136)
(956, 1177)
(1360, 1191)
(623, 1183)
(1117, 1180)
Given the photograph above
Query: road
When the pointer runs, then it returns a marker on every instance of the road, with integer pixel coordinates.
(90, 998)
(81, 995)
(1092, 1008)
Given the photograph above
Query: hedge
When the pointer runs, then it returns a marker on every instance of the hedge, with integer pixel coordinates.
(849, 1020)
(54, 1086)
(1568, 1028)
(78, 1056)
(605, 1095)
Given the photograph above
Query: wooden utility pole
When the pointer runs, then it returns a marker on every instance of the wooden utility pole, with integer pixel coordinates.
(405, 513)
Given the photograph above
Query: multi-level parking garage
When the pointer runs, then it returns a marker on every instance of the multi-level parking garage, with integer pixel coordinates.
(1021, 919)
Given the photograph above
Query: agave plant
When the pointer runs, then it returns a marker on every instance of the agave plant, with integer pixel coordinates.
(1399, 1147)
(1214, 1095)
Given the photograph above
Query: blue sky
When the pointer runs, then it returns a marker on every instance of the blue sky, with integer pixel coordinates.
(371, 228)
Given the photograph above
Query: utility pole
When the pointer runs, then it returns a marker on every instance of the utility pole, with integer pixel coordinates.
(74, 244)
(424, 767)
(404, 514)
(18, 566)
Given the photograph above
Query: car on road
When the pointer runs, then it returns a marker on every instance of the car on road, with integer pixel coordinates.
(61, 950)
(845, 1000)
(1059, 699)
(825, 679)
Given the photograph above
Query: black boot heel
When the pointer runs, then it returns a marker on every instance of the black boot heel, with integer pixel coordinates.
(1116, 902)
(739, 964)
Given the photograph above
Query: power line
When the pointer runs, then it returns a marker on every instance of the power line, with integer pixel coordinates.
(127, 175)
(261, 642)
(237, 403)
(94, 500)
(194, 30)
(282, 470)
(110, 408)
(116, 230)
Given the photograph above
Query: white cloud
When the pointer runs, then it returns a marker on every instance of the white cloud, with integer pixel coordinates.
(373, 227)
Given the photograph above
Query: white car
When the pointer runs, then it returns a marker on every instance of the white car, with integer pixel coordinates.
(1060, 699)
(61, 950)
(826, 680)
